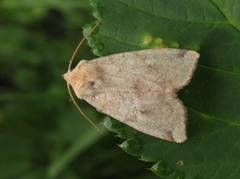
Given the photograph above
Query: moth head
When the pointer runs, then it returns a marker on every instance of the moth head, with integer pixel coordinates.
(84, 78)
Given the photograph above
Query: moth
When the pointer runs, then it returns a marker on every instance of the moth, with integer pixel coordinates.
(139, 88)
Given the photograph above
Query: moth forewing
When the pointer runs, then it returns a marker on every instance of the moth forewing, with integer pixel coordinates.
(138, 88)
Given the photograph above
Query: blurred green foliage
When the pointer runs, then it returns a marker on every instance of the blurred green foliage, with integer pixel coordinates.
(42, 135)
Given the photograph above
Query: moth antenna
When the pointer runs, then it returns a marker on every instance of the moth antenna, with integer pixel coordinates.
(69, 68)
(80, 43)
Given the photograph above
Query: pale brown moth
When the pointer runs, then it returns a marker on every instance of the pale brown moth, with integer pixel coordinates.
(139, 88)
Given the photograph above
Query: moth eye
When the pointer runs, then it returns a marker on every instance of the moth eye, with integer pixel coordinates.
(91, 83)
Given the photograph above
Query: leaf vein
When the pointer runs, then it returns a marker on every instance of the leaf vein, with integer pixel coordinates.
(175, 19)
(231, 21)
(219, 70)
(206, 116)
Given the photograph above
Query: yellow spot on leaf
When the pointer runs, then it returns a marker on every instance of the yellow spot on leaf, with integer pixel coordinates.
(146, 40)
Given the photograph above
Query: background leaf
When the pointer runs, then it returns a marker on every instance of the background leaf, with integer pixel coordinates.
(212, 98)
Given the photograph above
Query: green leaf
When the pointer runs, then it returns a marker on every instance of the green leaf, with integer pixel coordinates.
(212, 98)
